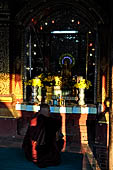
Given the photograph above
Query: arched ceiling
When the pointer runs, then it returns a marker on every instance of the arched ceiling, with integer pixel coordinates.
(90, 14)
(88, 11)
(38, 12)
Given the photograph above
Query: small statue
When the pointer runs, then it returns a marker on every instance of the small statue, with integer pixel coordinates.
(66, 70)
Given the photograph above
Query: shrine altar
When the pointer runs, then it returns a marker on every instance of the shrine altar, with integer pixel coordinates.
(59, 109)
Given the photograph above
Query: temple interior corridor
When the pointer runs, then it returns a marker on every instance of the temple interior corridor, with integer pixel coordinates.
(59, 53)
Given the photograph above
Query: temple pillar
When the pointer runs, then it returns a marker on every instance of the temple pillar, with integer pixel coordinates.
(10, 68)
(17, 66)
(103, 66)
(5, 96)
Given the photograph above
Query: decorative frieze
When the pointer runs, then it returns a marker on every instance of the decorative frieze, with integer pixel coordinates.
(4, 61)
(4, 48)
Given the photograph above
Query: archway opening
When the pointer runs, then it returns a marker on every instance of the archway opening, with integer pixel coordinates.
(58, 37)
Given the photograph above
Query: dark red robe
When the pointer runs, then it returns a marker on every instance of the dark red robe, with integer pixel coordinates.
(45, 151)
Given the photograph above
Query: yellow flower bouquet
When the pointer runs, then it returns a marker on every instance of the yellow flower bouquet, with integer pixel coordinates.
(83, 83)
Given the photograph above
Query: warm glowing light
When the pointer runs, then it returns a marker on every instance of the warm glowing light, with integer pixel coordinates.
(34, 45)
(46, 23)
(103, 91)
(78, 22)
(41, 28)
(28, 68)
(72, 20)
(34, 53)
(91, 54)
(89, 32)
(32, 19)
(90, 44)
(64, 32)
(93, 49)
(53, 21)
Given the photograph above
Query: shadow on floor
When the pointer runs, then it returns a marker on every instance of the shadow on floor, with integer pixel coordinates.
(14, 159)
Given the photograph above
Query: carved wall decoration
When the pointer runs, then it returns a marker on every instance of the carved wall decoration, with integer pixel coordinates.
(4, 61)
(98, 82)
(4, 83)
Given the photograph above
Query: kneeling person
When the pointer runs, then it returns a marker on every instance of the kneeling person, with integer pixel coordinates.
(44, 137)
